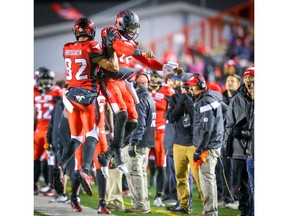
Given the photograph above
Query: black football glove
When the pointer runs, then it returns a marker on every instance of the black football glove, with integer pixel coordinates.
(197, 154)
(132, 150)
(108, 38)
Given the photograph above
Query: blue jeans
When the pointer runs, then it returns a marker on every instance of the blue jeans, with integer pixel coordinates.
(250, 170)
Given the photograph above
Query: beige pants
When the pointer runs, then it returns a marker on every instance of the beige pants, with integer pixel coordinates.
(183, 157)
(137, 177)
(208, 182)
(113, 192)
(195, 174)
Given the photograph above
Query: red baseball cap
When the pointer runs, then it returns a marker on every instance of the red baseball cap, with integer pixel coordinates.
(249, 71)
(192, 81)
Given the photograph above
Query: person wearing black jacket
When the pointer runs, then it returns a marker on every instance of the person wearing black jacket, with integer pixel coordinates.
(181, 116)
(208, 129)
(249, 135)
(140, 141)
(239, 109)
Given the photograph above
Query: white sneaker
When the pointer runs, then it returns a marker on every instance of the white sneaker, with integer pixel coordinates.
(158, 202)
(45, 189)
(232, 205)
(59, 199)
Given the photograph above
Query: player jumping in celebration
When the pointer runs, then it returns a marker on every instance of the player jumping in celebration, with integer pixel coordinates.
(83, 58)
(122, 101)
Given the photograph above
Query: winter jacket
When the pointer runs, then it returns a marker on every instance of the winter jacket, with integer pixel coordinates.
(144, 134)
(238, 110)
(208, 125)
(182, 116)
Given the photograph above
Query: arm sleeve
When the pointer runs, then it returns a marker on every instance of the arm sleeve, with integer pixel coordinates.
(174, 114)
(128, 50)
(230, 121)
(149, 62)
(224, 110)
(206, 123)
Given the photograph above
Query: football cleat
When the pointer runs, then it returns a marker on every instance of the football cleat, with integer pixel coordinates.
(76, 205)
(84, 180)
(103, 210)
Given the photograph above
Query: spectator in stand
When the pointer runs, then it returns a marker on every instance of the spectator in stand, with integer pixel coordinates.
(169, 55)
(234, 145)
(197, 65)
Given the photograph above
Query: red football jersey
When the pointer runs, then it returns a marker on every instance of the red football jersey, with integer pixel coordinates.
(161, 103)
(80, 70)
(45, 104)
(124, 49)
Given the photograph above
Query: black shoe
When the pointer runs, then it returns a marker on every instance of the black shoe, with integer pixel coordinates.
(84, 179)
(180, 210)
(105, 158)
(173, 206)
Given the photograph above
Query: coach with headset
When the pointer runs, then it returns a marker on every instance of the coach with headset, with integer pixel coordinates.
(208, 130)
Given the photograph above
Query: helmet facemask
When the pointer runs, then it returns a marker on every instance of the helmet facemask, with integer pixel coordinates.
(127, 22)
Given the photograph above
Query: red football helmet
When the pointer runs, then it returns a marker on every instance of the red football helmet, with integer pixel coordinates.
(84, 27)
(128, 24)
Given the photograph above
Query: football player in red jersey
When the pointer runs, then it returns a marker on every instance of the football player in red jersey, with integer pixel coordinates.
(46, 95)
(105, 118)
(127, 26)
(83, 59)
(159, 92)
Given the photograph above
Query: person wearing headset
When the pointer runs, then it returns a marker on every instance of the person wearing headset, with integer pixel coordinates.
(208, 131)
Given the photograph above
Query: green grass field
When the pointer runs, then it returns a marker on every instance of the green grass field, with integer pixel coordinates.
(197, 205)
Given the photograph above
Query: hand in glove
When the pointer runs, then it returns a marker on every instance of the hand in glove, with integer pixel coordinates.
(170, 67)
(183, 98)
(108, 35)
(237, 133)
(148, 54)
(197, 154)
(132, 149)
